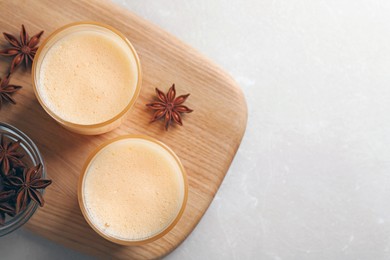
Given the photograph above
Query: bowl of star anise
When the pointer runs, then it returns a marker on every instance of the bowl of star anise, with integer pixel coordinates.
(22, 178)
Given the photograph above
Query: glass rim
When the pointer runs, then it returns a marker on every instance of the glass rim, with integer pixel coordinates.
(117, 116)
(163, 231)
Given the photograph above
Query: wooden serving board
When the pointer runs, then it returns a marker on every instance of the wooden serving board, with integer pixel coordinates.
(206, 143)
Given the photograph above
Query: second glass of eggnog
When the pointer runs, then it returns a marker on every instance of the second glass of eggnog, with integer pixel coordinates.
(87, 76)
(132, 190)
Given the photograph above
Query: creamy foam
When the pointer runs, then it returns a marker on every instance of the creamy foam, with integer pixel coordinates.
(88, 77)
(133, 189)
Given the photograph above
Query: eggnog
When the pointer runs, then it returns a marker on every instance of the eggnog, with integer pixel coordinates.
(86, 75)
(133, 189)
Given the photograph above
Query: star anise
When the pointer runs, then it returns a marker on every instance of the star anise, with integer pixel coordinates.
(5, 207)
(28, 187)
(10, 157)
(24, 49)
(169, 107)
(6, 90)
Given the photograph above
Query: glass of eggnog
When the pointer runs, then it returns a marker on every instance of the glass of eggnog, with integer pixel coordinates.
(87, 76)
(132, 190)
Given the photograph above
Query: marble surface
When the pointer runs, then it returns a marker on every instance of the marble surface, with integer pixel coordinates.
(311, 179)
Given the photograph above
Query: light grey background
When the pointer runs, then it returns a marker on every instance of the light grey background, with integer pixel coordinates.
(312, 177)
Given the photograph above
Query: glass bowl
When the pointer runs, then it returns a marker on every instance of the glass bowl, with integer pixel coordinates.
(115, 121)
(159, 233)
(33, 157)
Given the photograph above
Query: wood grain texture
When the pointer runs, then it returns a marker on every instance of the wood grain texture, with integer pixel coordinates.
(206, 143)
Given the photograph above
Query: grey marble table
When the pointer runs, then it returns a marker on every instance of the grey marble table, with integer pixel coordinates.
(311, 179)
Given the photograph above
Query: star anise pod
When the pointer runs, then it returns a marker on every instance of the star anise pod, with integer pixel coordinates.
(28, 187)
(169, 107)
(10, 157)
(6, 90)
(24, 49)
(5, 206)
